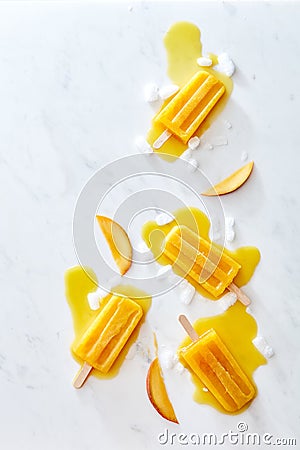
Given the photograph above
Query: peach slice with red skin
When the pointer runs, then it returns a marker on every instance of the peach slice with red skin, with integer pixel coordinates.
(118, 242)
(231, 183)
(157, 392)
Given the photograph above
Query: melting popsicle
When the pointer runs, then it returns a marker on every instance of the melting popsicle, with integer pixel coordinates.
(203, 261)
(213, 363)
(190, 106)
(104, 339)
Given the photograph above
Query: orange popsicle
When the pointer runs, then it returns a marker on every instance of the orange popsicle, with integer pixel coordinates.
(104, 339)
(212, 362)
(190, 106)
(203, 261)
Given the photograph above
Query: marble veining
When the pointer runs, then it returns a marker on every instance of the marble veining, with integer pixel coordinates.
(72, 78)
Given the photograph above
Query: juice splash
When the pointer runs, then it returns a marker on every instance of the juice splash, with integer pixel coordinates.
(153, 234)
(78, 284)
(183, 46)
(237, 329)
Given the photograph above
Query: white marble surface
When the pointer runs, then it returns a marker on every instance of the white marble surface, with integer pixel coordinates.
(71, 90)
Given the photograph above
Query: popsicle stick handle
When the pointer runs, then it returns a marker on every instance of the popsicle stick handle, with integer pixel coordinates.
(242, 297)
(165, 135)
(81, 376)
(188, 327)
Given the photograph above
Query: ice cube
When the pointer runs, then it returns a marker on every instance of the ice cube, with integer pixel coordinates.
(94, 298)
(227, 300)
(167, 359)
(229, 234)
(179, 368)
(187, 292)
(142, 145)
(164, 272)
(265, 349)
(225, 64)
(151, 92)
(204, 61)
(168, 90)
(194, 143)
(163, 218)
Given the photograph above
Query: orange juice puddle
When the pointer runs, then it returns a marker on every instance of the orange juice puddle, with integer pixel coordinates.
(248, 257)
(183, 46)
(78, 283)
(237, 329)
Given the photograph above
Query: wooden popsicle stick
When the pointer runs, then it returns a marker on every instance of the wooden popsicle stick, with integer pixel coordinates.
(188, 327)
(81, 376)
(165, 135)
(242, 297)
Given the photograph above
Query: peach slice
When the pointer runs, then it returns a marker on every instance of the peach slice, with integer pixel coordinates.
(231, 183)
(157, 392)
(118, 242)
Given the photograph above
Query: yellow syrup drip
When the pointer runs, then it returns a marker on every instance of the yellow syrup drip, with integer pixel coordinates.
(78, 284)
(237, 329)
(153, 235)
(183, 46)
